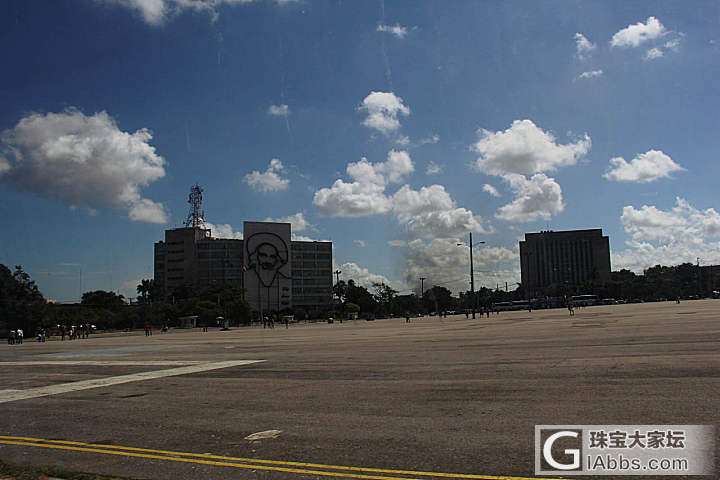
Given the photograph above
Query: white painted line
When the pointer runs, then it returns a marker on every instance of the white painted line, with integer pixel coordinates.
(13, 395)
(104, 363)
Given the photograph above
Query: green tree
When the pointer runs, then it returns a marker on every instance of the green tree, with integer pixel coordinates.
(21, 302)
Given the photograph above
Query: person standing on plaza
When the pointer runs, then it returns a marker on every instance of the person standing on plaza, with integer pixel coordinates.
(20, 335)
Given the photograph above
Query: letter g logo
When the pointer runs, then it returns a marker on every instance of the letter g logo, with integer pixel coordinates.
(574, 452)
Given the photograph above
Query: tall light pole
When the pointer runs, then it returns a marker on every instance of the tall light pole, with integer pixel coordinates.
(472, 275)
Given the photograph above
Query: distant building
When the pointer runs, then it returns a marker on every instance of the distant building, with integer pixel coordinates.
(275, 271)
(570, 257)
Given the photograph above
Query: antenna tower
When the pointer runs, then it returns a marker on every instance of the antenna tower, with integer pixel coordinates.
(196, 217)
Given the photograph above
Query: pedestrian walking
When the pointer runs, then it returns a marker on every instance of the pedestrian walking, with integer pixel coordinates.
(11, 337)
(147, 330)
(20, 335)
(407, 317)
(571, 309)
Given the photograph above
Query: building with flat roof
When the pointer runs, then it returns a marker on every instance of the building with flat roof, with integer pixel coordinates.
(571, 257)
(275, 271)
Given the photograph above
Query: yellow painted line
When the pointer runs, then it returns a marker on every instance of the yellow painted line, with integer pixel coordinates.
(151, 453)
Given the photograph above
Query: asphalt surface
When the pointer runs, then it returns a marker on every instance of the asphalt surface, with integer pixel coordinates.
(450, 395)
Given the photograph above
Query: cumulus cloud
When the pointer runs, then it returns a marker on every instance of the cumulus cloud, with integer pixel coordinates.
(583, 46)
(645, 167)
(298, 222)
(445, 263)
(83, 161)
(591, 74)
(639, 33)
(653, 53)
(366, 194)
(535, 198)
(668, 237)
(279, 110)
(223, 230)
(361, 276)
(525, 148)
(352, 199)
(397, 30)
(487, 188)
(383, 109)
(269, 180)
(397, 243)
(156, 12)
(360, 243)
(145, 210)
(433, 169)
(431, 212)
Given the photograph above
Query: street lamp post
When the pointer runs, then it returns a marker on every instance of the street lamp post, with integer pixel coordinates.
(472, 276)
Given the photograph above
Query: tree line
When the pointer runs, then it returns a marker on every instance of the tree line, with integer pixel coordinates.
(22, 305)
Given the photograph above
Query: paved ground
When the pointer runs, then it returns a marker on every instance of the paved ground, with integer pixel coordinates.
(436, 395)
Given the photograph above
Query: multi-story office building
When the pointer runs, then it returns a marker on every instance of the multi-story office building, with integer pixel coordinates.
(571, 257)
(275, 271)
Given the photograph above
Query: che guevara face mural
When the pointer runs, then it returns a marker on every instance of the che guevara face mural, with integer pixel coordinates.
(267, 254)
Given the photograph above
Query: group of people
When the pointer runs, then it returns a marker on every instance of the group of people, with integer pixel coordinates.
(75, 332)
(15, 337)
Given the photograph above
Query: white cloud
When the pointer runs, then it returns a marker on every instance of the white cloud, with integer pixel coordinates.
(156, 12)
(396, 30)
(431, 212)
(298, 222)
(668, 237)
(525, 148)
(145, 210)
(403, 141)
(645, 167)
(430, 140)
(491, 190)
(445, 263)
(359, 243)
(383, 109)
(446, 224)
(83, 161)
(653, 53)
(583, 46)
(361, 276)
(591, 74)
(639, 33)
(223, 230)
(365, 195)
(397, 243)
(279, 110)
(409, 203)
(270, 180)
(538, 197)
(433, 169)
(673, 44)
(354, 199)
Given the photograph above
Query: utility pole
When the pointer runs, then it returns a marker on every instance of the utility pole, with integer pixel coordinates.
(337, 283)
(472, 280)
(422, 292)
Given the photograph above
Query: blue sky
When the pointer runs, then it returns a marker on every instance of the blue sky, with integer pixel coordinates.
(498, 118)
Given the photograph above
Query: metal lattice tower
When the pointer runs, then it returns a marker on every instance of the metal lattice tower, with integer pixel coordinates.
(196, 217)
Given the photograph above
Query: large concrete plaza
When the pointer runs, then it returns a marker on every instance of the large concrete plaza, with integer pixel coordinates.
(450, 395)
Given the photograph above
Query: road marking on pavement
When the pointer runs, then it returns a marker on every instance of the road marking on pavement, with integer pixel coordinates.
(104, 363)
(13, 395)
(270, 465)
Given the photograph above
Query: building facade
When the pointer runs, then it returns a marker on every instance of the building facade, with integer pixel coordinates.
(570, 257)
(276, 272)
